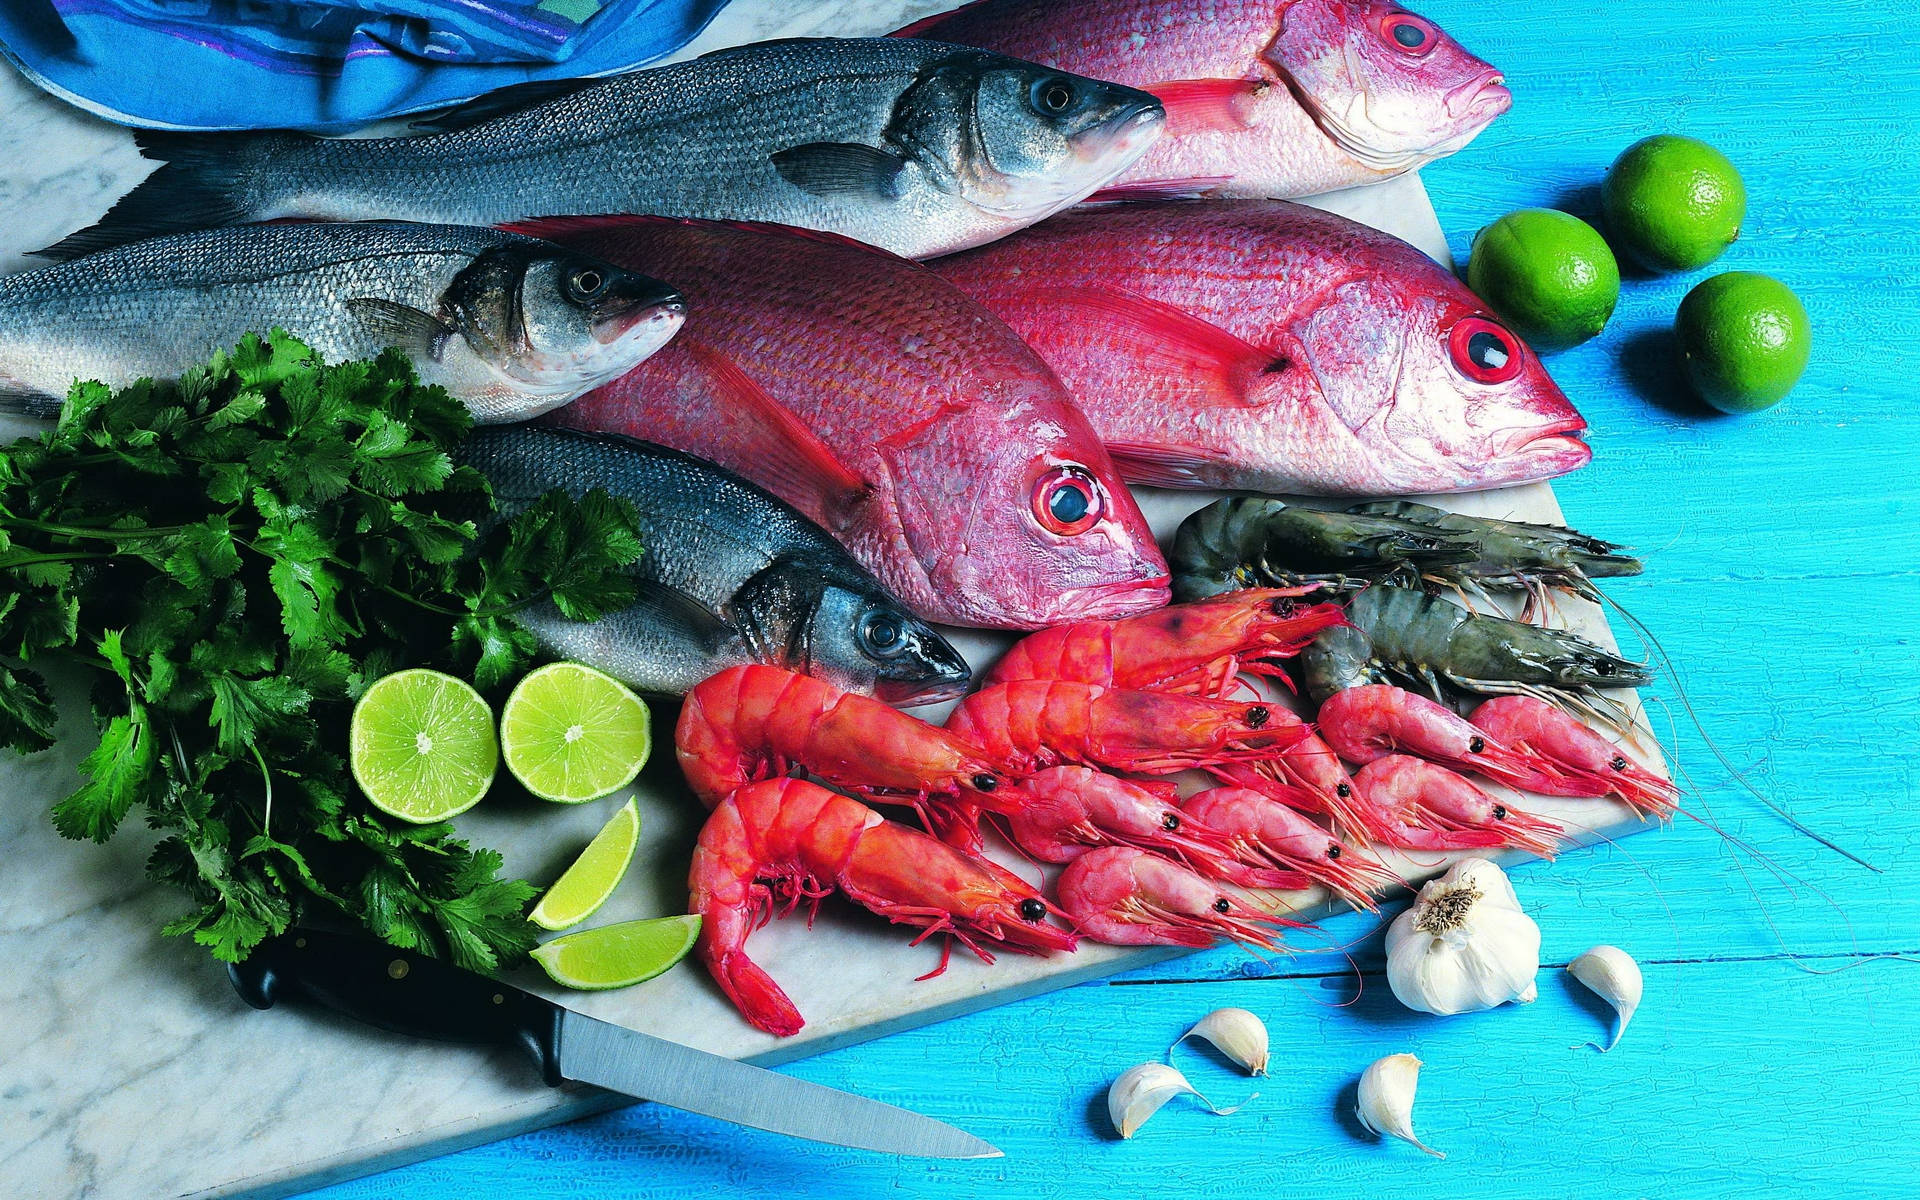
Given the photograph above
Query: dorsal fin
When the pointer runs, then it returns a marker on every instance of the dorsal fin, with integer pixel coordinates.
(1172, 342)
(920, 27)
(559, 229)
(513, 98)
(1199, 105)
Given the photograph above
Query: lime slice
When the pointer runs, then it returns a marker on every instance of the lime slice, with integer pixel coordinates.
(617, 956)
(583, 887)
(422, 746)
(572, 734)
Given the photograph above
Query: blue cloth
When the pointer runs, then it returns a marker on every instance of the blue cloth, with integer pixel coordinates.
(323, 65)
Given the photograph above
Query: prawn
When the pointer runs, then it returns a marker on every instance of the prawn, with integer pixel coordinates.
(1263, 830)
(1375, 720)
(1127, 897)
(1532, 724)
(1438, 809)
(778, 842)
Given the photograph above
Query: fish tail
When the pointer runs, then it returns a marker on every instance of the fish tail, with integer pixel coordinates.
(200, 185)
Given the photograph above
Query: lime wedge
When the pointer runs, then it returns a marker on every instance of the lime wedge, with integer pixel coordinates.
(572, 734)
(583, 887)
(422, 746)
(616, 956)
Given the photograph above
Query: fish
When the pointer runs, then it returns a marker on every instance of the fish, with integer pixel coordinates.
(509, 325)
(1270, 347)
(1265, 98)
(908, 421)
(918, 147)
(730, 575)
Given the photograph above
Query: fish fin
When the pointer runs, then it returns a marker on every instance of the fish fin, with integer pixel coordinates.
(1198, 187)
(1164, 466)
(559, 229)
(919, 28)
(500, 102)
(1170, 341)
(797, 462)
(676, 610)
(395, 324)
(840, 169)
(1204, 105)
(196, 187)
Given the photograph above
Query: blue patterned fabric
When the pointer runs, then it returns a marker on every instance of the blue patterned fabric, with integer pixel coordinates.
(323, 65)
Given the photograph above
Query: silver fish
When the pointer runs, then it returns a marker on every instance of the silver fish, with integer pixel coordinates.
(510, 325)
(731, 575)
(917, 147)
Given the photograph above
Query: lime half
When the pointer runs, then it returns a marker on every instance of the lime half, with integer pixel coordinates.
(571, 734)
(583, 887)
(422, 746)
(616, 956)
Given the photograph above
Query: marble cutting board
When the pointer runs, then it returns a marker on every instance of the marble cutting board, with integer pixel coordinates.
(126, 1047)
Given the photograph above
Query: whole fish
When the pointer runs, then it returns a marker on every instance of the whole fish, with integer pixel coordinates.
(730, 576)
(1266, 346)
(1265, 98)
(919, 147)
(509, 325)
(881, 402)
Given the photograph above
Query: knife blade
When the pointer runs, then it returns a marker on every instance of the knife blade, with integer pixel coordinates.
(409, 993)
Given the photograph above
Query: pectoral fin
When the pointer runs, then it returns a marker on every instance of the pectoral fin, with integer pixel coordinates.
(394, 324)
(841, 169)
(1168, 341)
(1200, 105)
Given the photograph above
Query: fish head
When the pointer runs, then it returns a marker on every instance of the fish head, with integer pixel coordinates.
(1389, 86)
(1439, 394)
(1022, 141)
(555, 323)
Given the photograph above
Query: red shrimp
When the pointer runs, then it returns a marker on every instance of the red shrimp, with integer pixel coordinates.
(1377, 719)
(1437, 809)
(1587, 758)
(1195, 649)
(1263, 830)
(1128, 897)
(781, 841)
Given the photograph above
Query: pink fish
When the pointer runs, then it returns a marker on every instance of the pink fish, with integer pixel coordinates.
(1264, 97)
(880, 401)
(1268, 346)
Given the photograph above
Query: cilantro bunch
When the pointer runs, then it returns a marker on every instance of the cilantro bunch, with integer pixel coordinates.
(233, 559)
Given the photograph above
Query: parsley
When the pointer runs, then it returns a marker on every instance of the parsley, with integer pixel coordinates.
(235, 558)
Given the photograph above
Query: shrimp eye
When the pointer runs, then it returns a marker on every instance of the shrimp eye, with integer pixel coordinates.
(1476, 745)
(1619, 762)
(1333, 850)
(1223, 905)
(985, 782)
(1032, 910)
(1258, 715)
(1342, 790)
(585, 284)
(1499, 812)
(1485, 351)
(1285, 608)
(882, 634)
(1170, 822)
(1053, 95)
(1409, 34)
(1067, 501)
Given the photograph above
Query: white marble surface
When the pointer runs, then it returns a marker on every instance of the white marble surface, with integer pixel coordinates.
(132, 1070)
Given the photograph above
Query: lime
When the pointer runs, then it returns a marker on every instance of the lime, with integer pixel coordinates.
(572, 734)
(583, 887)
(1672, 203)
(615, 956)
(1744, 339)
(421, 745)
(1548, 273)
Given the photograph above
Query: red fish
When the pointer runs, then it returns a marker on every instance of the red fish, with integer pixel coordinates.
(880, 401)
(1264, 97)
(1272, 347)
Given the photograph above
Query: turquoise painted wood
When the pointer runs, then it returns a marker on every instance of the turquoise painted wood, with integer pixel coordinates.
(1779, 1044)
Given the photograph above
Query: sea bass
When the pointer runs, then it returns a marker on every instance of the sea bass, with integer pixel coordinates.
(1261, 345)
(915, 146)
(509, 325)
(730, 576)
(884, 404)
(1265, 98)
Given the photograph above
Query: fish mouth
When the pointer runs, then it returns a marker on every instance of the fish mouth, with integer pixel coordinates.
(1126, 134)
(1106, 601)
(662, 318)
(1485, 96)
(902, 694)
(1556, 443)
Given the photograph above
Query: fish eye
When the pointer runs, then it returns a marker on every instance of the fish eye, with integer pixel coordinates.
(1411, 35)
(882, 634)
(1170, 822)
(1333, 849)
(586, 283)
(1053, 95)
(1485, 351)
(1067, 501)
(1032, 910)
(1223, 905)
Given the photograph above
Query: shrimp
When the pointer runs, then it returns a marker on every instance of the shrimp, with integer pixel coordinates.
(1437, 809)
(781, 841)
(1263, 830)
(1535, 725)
(1375, 720)
(1195, 649)
(1128, 897)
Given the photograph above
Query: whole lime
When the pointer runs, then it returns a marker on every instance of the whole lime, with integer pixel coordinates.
(1548, 273)
(1672, 203)
(1744, 340)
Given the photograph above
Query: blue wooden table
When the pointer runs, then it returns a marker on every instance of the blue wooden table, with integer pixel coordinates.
(1778, 1048)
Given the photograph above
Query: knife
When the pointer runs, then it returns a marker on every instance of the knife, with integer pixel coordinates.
(409, 993)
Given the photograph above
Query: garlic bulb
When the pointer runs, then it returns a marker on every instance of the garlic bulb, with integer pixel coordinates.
(1612, 973)
(1236, 1033)
(1385, 1105)
(1464, 945)
(1142, 1090)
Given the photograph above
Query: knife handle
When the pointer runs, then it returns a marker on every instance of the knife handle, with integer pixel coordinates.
(399, 991)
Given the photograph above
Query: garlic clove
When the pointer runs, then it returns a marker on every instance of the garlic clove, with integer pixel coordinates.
(1141, 1091)
(1386, 1098)
(1236, 1033)
(1615, 977)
